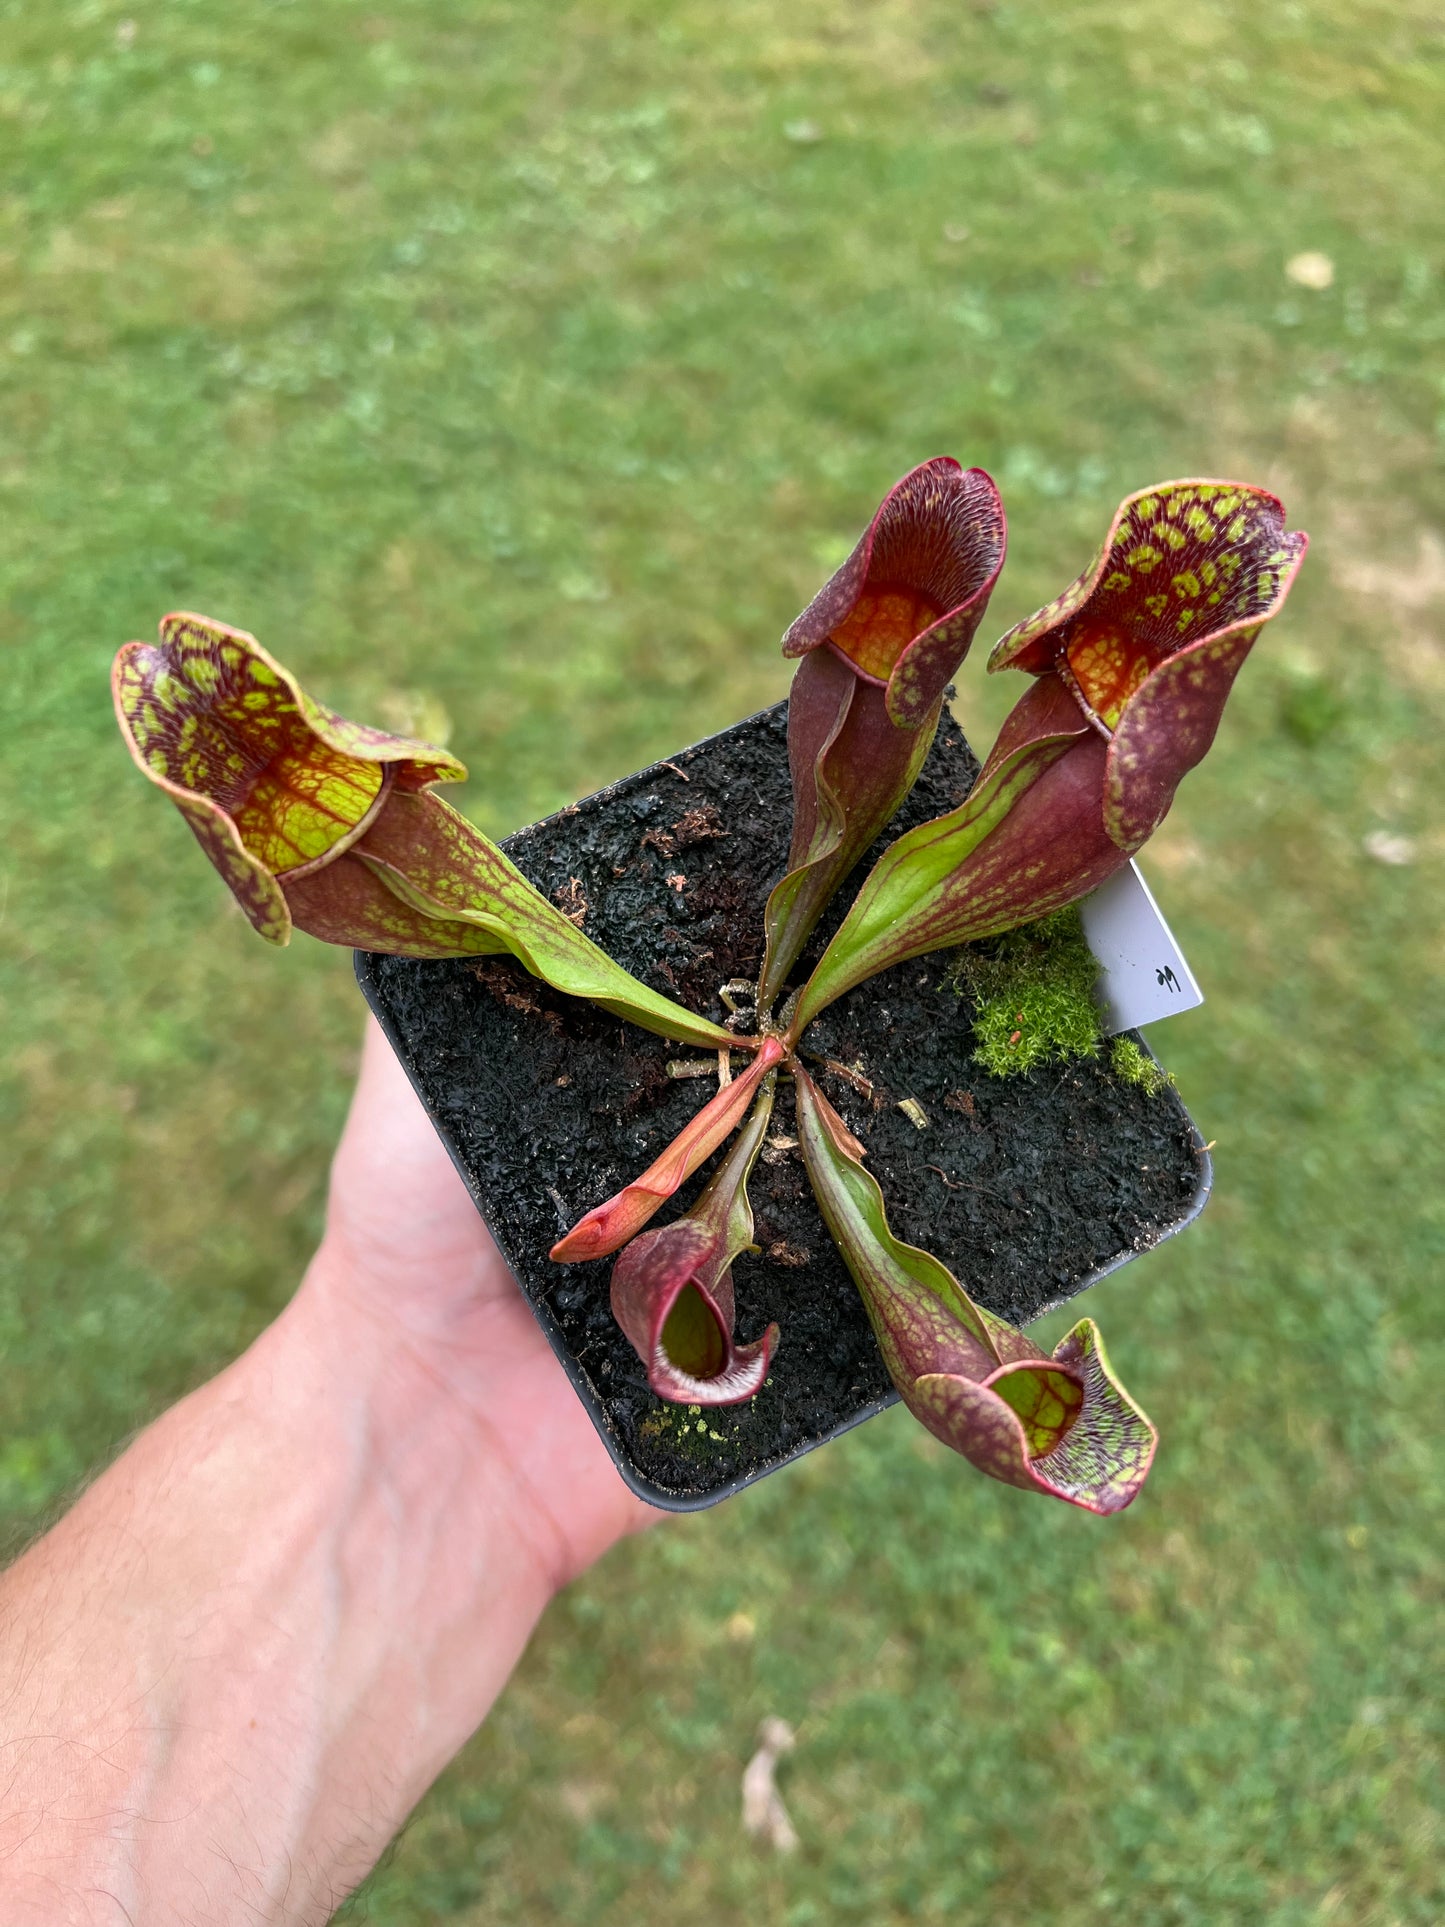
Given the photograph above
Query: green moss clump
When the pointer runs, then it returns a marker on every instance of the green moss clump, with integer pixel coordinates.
(1033, 995)
(1131, 1064)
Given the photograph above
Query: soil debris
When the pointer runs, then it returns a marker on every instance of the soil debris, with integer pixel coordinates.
(791, 1257)
(777, 1149)
(703, 824)
(515, 992)
(571, 900)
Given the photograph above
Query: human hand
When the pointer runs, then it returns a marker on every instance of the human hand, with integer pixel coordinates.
(238, 1662)
(407, 1255)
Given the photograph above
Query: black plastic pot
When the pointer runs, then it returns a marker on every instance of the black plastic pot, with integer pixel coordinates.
(1031, 1188)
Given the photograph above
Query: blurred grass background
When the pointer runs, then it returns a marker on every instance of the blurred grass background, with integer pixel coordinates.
(531, 366)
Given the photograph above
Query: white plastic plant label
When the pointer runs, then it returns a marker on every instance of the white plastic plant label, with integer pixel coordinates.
(1142, 972)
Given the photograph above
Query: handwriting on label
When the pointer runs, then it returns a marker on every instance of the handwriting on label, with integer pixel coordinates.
(1143, 975)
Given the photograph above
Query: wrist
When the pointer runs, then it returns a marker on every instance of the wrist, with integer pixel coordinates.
(411, 1396)
(459, 1355)
(265, 1629)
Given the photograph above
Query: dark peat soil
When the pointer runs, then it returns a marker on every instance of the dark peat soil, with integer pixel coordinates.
(1027, 1187)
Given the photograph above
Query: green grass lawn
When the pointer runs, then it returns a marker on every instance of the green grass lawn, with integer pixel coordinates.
(532, 366)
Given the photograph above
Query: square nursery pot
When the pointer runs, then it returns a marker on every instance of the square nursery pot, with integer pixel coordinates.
(1030, 1188)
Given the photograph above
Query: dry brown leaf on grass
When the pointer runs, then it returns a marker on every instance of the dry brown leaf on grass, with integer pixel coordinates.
(765, 1817)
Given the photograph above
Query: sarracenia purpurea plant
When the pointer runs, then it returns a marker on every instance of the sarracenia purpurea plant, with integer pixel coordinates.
(320, 824)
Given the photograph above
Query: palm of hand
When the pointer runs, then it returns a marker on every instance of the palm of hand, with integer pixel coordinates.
(406, 1249)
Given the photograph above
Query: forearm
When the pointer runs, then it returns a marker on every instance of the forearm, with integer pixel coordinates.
(230, 1672)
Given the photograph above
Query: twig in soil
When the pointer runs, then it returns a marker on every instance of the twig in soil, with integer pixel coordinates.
(850, 1074)
(677, 772)
(564, 1216)
(963, 1184)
